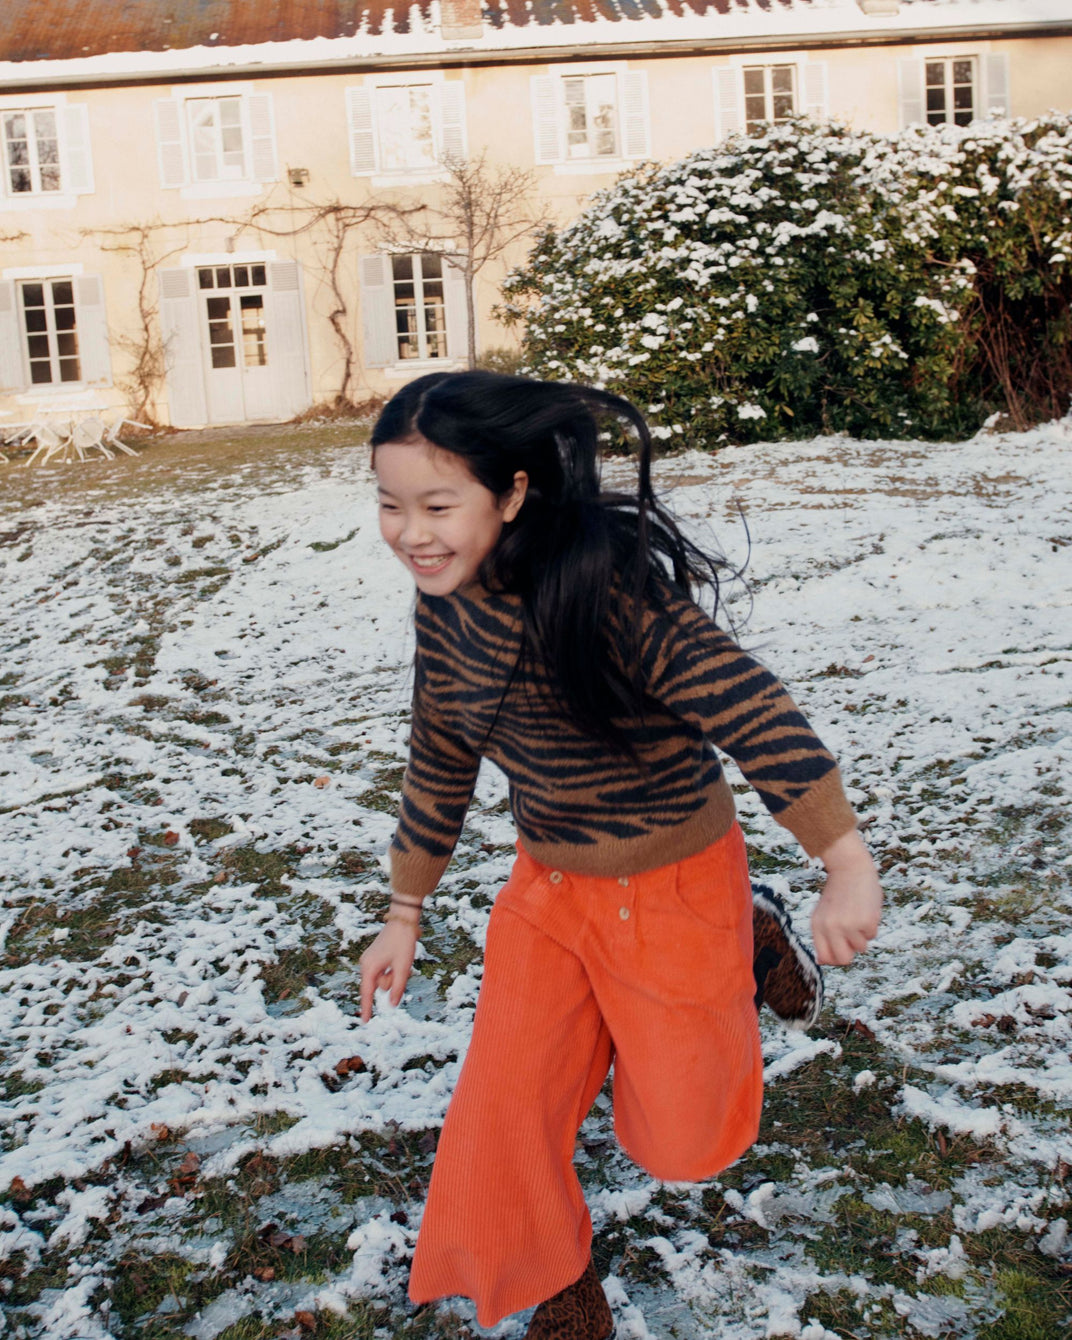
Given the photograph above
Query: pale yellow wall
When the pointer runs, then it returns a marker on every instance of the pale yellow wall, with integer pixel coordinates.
(311, 133)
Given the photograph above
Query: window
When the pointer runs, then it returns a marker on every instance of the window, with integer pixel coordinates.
(589, 121)
(414, 309)
(769, 94)
(399, 127)
(45, 158)
(949, 86)
(216, 141)
(236, 329)
(50, 329)
(591, 116)
(407, 133)
(216, 144)
(420, 307)
(31, 151)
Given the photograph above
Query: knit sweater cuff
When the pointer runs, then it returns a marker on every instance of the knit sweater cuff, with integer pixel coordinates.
(414, 874)
(820, 816)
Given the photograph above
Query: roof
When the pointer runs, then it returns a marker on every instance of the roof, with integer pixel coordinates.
(59, 41)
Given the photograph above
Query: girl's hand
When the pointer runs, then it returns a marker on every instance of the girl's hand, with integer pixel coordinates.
(387, 962)
(848, 912)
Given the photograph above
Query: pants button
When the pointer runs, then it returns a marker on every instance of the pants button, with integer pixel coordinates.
(623, 881)
(555, 876)
(623, 912)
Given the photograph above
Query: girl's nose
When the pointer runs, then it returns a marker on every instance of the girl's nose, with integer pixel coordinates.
(414, 531)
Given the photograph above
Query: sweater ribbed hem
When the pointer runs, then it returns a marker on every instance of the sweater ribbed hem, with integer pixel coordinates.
(631, 856)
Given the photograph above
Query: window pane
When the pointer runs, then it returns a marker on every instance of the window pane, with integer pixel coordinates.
(64, 318)
(602, 113)
(935, 73)
(223, 276)
(962, 72)
(40, 372)
(62, 292)
(204, 278)
(50, 177)
(70, 370)
(753, 81)
(33, 295)
(219, 309)
(402, 267)
(936, 102)
(755, 111)
(783, 106)
(36, 319)
(253, 345)
(67, 344)
(241, 276)
(431, 265)
(21, 180)
(782, 79)
(962, 98)
(260, 275)
(37, 346)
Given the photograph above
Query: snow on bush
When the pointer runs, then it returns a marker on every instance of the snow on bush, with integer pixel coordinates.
(816, 279)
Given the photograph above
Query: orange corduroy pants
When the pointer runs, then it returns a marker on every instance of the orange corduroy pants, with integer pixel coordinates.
(652, 972)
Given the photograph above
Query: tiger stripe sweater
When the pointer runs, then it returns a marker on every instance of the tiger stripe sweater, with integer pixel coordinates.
(577, 804)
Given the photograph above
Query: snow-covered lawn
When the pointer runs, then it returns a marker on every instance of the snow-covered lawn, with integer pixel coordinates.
(204, 688)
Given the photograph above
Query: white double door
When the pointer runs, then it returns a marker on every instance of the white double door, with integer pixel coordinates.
(234, 337)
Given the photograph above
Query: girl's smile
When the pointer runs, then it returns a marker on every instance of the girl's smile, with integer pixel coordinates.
(439, 520)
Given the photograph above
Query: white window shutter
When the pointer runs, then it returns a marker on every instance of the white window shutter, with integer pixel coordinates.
(452, 108)
(997, 85)
(286, 325)
(12, 376)
(262, 160)
(378, 311)
(813, 84)
(636, 123)
(910, 89)
(170, 142)
(362, 133)
(728, 118)
(546, 119)
(92, 326)
(455, 308)
(180, 328)
(77, 167)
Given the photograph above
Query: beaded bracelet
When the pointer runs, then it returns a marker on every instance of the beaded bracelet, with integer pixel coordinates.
(408, 921)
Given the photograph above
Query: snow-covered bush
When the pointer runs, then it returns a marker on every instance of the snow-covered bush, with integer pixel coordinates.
(813, 279)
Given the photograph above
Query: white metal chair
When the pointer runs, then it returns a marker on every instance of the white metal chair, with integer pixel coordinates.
(49, 441)
(89, 433)
(112, 433)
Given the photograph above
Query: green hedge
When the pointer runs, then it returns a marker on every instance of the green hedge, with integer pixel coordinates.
(816, 279)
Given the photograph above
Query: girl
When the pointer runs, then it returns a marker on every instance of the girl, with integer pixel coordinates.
(557, 636)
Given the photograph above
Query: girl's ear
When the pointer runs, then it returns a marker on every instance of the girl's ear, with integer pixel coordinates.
(511, 502)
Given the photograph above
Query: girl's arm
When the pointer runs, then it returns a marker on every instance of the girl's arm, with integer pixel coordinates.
(846, 917)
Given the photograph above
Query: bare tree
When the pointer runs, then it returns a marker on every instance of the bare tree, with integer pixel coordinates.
(482, 212)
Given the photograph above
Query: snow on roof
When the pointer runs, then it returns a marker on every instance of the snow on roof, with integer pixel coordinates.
(96, 40)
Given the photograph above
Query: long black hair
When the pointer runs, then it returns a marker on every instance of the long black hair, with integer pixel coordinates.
(584, 561)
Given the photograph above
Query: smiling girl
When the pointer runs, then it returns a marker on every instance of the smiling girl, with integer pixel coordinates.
(558, 636)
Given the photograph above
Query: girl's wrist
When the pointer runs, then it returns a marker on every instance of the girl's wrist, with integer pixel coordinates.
(405, 910)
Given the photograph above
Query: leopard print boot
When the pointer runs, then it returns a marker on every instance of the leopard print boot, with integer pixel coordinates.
(788, 979)
(578, 1312)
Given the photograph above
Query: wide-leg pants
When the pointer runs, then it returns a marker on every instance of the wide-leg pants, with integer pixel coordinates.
(652, 971)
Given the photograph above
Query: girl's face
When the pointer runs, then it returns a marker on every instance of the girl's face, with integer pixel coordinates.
(438, 518)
